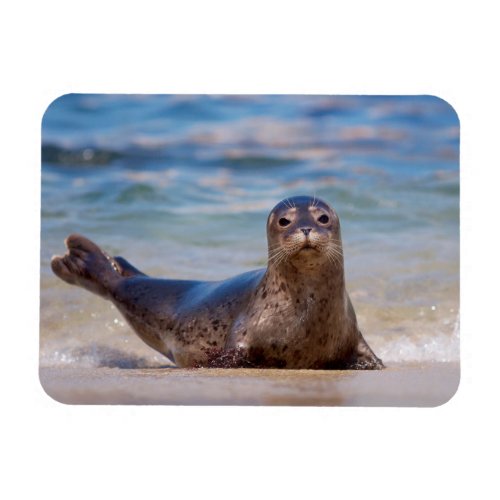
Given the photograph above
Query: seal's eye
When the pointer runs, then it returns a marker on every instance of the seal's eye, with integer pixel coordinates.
(283, 222)
(323, 219)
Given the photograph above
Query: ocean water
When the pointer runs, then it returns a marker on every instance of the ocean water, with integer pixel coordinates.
(181, 186)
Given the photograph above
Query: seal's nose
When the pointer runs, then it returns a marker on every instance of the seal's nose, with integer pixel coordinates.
(306, 230)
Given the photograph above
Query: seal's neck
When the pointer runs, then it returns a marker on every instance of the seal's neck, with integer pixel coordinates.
(297, 279)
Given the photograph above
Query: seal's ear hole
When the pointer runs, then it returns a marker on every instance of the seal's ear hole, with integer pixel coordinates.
(323, 219)
(283, 222)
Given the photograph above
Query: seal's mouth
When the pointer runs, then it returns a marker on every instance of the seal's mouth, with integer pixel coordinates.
(308, 247)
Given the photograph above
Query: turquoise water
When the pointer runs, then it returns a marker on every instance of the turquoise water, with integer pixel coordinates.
(182, 185)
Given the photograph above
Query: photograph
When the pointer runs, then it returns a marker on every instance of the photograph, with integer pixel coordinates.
(252, 250)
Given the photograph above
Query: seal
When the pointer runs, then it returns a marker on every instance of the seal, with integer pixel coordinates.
(294, 314)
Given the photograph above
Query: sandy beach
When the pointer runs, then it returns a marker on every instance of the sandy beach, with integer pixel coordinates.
(422, 384)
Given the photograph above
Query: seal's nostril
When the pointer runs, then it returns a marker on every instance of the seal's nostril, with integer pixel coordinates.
(306, 230)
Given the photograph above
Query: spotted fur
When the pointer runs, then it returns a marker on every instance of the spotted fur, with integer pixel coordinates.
(296, 313)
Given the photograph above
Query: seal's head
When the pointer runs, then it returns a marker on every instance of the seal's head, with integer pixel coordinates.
(304, 229)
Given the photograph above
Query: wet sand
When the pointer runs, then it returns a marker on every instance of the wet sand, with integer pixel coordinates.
(418, 384)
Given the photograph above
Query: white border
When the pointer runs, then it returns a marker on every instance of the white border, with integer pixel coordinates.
(51, 48)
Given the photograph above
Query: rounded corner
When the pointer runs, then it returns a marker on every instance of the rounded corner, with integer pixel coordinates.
(453, 393)
(448, 105)
(53, 102)
(47, 392)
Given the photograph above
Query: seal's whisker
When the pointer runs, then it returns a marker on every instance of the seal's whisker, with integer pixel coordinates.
(334, 256)
(278, 258)
(282, 257)
(335, 248)
(313, 204)
(336, 261)
(275, 257)
(332, 261)
(274, 247)
(335, 252)
(276, 254)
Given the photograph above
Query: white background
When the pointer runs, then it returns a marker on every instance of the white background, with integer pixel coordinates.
(380, 47)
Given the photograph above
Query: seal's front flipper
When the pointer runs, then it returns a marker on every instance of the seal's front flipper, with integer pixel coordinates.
(365, 358)
(86, 265)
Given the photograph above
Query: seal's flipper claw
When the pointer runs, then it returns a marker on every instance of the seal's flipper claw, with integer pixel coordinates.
(61, 270)
(365, 357)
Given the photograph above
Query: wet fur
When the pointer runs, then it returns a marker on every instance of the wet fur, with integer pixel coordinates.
(294, 314)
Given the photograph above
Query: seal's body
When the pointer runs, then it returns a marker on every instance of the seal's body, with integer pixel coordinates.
(294, 314)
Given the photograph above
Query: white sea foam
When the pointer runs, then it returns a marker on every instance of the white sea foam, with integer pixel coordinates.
(429, 346)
